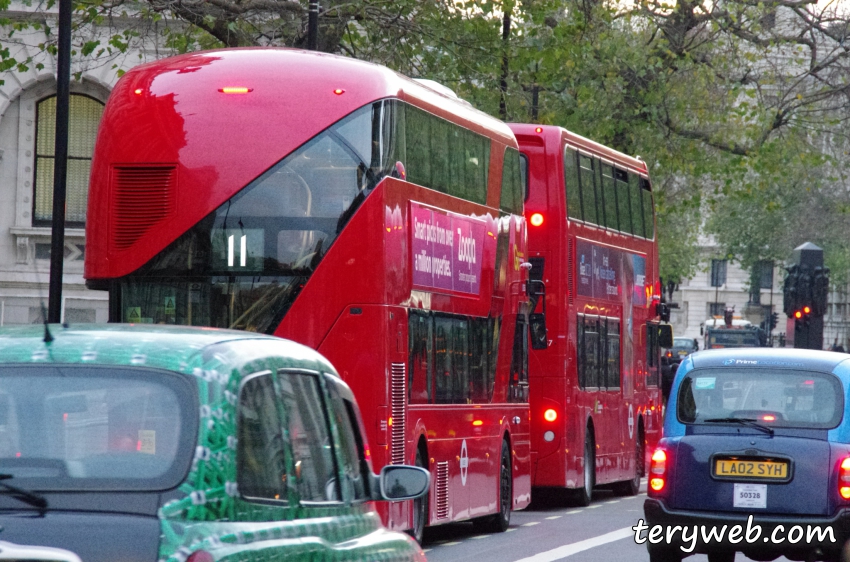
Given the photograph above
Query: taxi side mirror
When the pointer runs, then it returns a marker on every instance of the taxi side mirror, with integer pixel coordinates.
(401, 482)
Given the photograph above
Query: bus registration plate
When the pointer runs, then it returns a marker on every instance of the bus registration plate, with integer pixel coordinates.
(734, 468)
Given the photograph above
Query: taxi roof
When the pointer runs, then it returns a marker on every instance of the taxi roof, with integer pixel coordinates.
(176, 348)
(769, 357)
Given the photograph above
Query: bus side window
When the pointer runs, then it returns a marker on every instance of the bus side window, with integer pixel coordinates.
(590, 347)
(478, 361)
(420, 332)
(519, 361)
(588, 190)
(442, 360)
(652, 354)
(571, 184)
(461, 386)
(613, 367)
(637, 209)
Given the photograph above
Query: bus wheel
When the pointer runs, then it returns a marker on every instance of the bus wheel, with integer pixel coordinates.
(420, 506)
(632, 487)
(584, 494)
(500, 522)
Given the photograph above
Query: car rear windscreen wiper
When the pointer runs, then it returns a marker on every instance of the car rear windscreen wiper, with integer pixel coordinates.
(24, 495)
(749, 422)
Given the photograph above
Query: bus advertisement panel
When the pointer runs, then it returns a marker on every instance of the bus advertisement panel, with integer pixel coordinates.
(594, 378)
(362, 214)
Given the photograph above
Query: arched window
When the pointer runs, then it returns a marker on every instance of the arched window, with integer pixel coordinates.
(83, 119)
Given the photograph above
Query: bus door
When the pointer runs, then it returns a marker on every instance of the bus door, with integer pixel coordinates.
(614, 416)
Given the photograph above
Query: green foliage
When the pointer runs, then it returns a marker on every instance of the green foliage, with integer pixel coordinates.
(726, 107)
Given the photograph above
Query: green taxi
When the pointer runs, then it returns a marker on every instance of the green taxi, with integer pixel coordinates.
(157, 443)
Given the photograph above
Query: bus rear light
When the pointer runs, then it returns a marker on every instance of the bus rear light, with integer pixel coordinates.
(339, 91)
(138, 91)
(550, 415)
(538, 130)
(536, 219)
(658, 470)
(477, 423)
(235, 90)
(844, 479)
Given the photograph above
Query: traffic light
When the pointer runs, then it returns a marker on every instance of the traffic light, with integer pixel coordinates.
(774, 320)
(790, 291)
(820, 290)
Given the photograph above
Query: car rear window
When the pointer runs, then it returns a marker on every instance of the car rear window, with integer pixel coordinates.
(95, 428)
(771, 397)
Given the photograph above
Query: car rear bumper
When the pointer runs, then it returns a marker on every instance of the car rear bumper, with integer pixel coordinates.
(768, 527)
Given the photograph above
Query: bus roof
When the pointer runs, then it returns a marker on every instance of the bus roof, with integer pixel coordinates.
(206, 124)
(549, 132)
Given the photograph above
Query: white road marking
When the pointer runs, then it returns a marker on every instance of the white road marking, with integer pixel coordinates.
(555, 517)
(612, 501)
(531, 524)
(453, 543)
(480, 537)
(581, 546)
(574, 511)
(426, 550)
(593, 506)
(510, 530)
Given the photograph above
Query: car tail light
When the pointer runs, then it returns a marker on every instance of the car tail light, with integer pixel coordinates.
(844, 479)
(658, 470)
(200, 556)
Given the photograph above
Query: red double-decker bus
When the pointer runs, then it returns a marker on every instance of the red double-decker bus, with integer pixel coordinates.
(339, 204)
(594, 370)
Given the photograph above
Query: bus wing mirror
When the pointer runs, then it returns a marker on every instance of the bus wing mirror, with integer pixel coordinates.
(402, 482)
(665, 335)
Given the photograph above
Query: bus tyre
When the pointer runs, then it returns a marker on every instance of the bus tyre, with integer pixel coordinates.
(584, 494)
(632, 487)
(500, 522)
(420, 506)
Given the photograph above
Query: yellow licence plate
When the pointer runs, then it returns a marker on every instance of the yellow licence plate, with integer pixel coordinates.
(771, 470)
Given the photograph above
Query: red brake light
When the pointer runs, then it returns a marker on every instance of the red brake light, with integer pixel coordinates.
(536, 219)
(844, 479)
(806, 310)
(138, 91)
(339, 91)
(658, 470)
(200, 556)
(768, 417)
(798, 314)
(538, 130)
(550, 415)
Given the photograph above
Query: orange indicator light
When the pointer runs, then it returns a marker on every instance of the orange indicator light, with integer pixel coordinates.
(550, 415)
(477, 423)
(235, 90)
(768, 417)
(656, 484)
(390, 422)
(536, 219)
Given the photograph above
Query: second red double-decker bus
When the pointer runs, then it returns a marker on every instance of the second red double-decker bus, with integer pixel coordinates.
(594, 372)
(341, 205)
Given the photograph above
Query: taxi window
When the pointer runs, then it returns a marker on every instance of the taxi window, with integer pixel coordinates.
(771, 397)
(261, 465)
(309, 434)
(353, 462)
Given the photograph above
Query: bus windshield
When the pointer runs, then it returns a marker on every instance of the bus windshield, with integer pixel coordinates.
(244, 264)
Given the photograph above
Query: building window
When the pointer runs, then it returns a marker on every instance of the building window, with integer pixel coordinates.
(718, 273)
(765, 274)
(83, 119)
(716, 309)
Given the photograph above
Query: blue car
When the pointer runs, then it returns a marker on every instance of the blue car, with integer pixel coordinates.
(755, 458)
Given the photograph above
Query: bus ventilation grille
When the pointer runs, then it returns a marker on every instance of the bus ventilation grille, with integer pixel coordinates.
(570, 264)
(398, 385)
(142, 197)
(442, 490)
